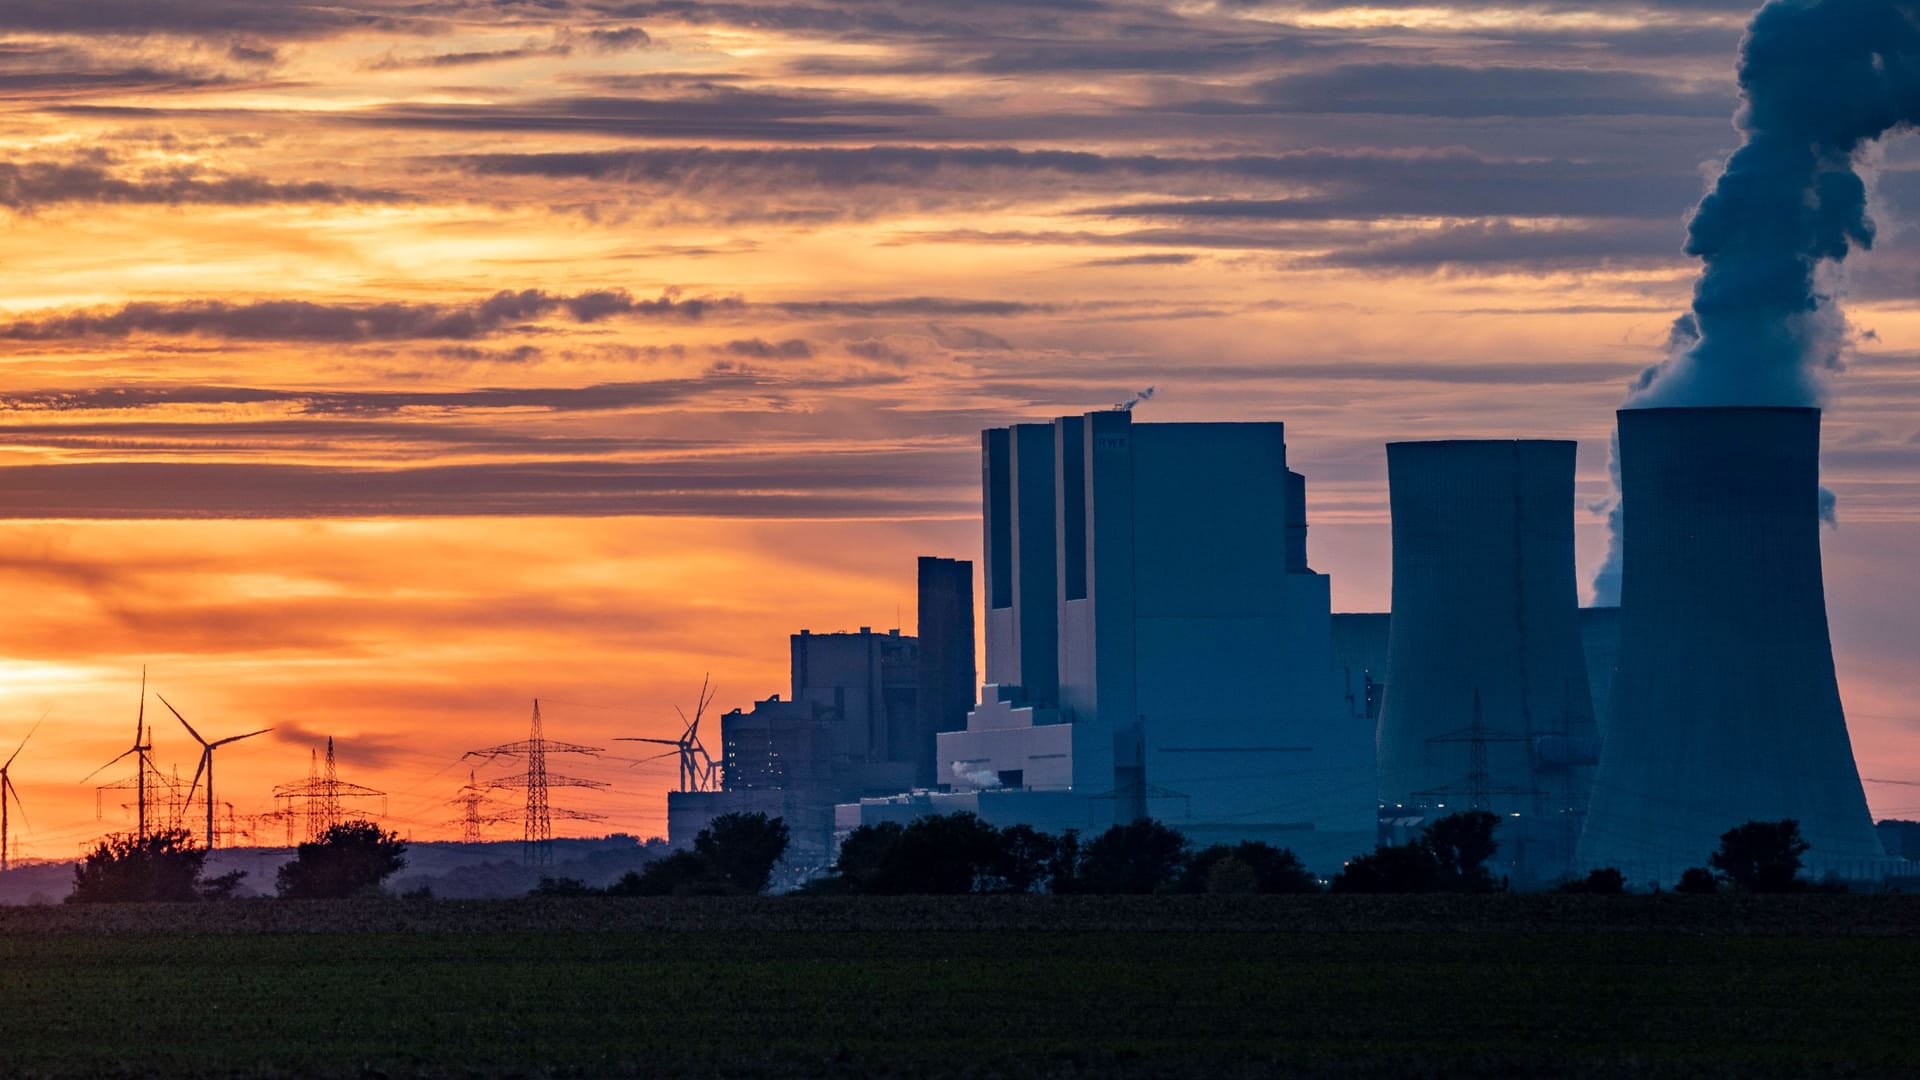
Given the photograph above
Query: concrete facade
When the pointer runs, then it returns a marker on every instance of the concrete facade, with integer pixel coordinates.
(1726, 708)
(1487, 703)
(1191, 670)
(856, 723)
(947, 678)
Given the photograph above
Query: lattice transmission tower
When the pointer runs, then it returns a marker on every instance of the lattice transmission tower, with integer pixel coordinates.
(474, 815)
(320, 796)
(538, 834)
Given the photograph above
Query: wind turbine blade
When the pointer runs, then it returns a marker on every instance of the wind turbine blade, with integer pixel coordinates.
(108, 765)
(195, 786)
(23, 742)
(140, 721)
(237, 738)
(182, 719)
(662, 742)
(15, 792)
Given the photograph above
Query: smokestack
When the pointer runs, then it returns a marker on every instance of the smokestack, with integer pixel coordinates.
(1485, 633)
(1819, 79)
(1725, 708)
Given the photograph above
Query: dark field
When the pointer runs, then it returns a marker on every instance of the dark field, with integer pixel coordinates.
(1519, 986)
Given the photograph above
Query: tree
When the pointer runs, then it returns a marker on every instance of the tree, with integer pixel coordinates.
(942, 854)
(1697, 881)
(683, 873)
(1144, 857)
(1272, 869)
(1025, 859)
(1449, 856)
(862, 863)
(349, 859)
(742, 849)
(1396, 868)
(1461, 845)
(1762, 856)
(163, 866)
(1063, 867)
(1606, 881)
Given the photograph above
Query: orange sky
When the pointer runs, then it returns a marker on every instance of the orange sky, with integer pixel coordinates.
(370, 369)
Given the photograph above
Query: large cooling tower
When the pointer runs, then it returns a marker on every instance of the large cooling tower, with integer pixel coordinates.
(1486, 684)
(1725, 708)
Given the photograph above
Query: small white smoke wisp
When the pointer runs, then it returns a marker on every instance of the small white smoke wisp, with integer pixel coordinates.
(1127, 405)
(985, 778)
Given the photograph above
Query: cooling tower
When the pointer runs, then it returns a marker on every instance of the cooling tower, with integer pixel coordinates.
(1725, 707)
(1486, 700)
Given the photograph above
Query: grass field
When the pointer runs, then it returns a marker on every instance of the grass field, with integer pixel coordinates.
(1162, 987)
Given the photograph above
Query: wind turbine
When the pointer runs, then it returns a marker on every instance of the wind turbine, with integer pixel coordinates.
(206, 760)
(696, 767)
(142, 746)
(6, 789)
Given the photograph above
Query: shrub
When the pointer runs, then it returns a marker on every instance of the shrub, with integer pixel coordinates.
(349, 859)
(163, 866)
(1025, 860)
(565, 886)
(1606, 881)
(1697, 881)
(1144, 857)
(1762, 856)
(1395, 868)
(1273, 870)
(1449, 856)
(742, 849)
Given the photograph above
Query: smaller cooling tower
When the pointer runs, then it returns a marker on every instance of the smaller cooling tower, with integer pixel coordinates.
(1486, 685)
(1725, 706)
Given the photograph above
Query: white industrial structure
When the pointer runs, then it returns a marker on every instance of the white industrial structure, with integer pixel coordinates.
(1726, 707)
(1156, 644)
(1487, 705)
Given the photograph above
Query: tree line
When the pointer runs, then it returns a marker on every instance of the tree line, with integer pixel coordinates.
(349, 859)
(948, 854)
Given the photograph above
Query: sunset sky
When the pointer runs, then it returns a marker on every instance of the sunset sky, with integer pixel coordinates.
(371, 368)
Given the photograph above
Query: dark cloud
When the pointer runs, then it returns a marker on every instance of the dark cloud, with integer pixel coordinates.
(32, 184)
(1498, 246)
(595, 398)
(891, 482)
(936, 306)
(467, 59)
(619, 39)
(216, 18)
(756, 348)
(710, 111)
(303, 320)
(1457, 90)
(1169, 258)
(1322, 183)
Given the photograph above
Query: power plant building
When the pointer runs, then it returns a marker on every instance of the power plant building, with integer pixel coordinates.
(1156, 644)
(1487, 703)
(861, 719)
(1726, 708)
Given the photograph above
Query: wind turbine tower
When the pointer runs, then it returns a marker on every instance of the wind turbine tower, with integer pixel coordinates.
(206, 762)
(698, 771)
(142, 753)
(7, 791)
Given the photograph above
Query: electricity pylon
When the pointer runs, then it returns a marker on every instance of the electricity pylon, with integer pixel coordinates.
(472, 798)
(320, 796)
(538, 835)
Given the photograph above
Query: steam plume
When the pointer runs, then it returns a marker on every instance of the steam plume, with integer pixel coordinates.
(1127, 405)
(1819, 79)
